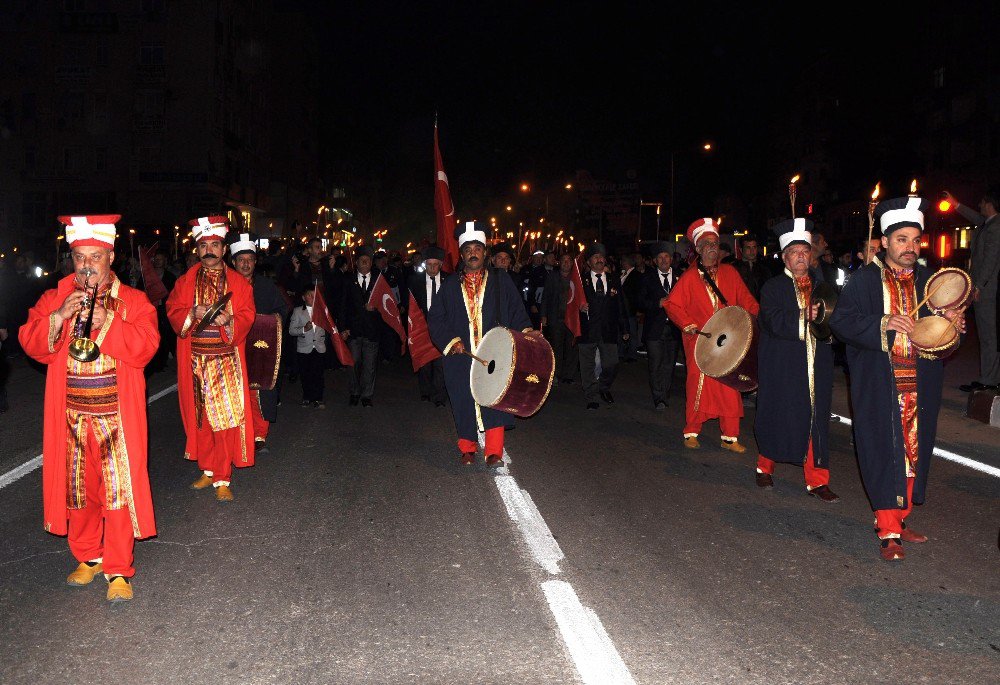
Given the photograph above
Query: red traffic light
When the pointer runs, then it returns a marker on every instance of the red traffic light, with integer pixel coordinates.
(944, 206)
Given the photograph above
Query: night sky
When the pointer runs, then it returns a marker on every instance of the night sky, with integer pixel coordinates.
(533, 91)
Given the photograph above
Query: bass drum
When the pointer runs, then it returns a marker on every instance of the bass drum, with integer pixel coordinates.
(935, 337)
(949, 288)
(727, 348)
(518, 373)
(263, 348)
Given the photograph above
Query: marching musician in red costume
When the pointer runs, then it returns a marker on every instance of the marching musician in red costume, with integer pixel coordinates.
(95, 486)
(212, 383)
(691, 303)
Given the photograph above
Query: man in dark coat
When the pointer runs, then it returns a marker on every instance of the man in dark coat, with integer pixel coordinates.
(553, 321)
(896, 388)
(753, 268)
(494, 301)
(631, 278)
(660, 336)
(361, 327)
(603, 322)
(269, 302)
(424, 284)
(794, 370)
(502, 257)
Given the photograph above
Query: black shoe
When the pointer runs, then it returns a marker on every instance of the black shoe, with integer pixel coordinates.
(366, 402)
(592, 405)
(439, 403)
(260, 449)
(976, 385)
(764, 480)
(660, 405)
(606, 396)
(353, 401)
(305, 403)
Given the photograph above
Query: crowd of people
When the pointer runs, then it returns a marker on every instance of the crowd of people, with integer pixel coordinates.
(100, 335)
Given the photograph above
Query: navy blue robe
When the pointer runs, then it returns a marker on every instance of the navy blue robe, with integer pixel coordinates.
(878, 431)
(785, 420)
(448, 319)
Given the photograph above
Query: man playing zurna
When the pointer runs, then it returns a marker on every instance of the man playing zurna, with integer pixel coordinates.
(212, 384)
(701, 291)
(794, 369)
(96, 335)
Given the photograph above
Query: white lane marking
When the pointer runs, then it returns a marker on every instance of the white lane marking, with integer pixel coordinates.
(595, 656)
(590, 647)
(950, 456)
(32, 464)
(525, 514)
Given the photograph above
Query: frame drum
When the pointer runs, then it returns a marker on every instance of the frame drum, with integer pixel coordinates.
(951, 286)
(935, 337)
(519, 372)
(729, 352)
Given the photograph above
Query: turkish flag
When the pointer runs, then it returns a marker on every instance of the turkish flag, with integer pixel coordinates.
(322, 318)
(155, 290)
(383, 300)
(575, 300)
(444, 209)
(422, 350)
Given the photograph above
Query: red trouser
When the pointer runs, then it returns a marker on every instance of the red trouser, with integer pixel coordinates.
(729, 426)
(815, 476)
(94, 531)
(218, 451)
(889, 522)
(494, 443)
(260, 424)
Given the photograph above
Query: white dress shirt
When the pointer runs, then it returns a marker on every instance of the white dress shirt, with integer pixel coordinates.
(433, 285)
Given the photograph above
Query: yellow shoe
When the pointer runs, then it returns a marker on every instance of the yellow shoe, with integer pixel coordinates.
(84, 574)
(202, 482)
(733, 446)
(223, 493)
(691, 442)
(119, 590)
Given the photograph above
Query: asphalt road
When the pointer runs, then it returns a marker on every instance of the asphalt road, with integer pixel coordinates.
(359, 551)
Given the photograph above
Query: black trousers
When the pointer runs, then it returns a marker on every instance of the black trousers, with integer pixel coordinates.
(566, 352)
(366, 359)
(431, 379)
(310, 369)
(662, 357)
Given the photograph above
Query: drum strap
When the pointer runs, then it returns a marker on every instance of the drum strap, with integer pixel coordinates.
(711, 284)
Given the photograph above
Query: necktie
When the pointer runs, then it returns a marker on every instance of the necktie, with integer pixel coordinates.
(364, 284)
(664, 282)
(600, 284)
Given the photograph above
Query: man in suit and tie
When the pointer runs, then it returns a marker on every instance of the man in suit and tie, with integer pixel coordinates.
(361, 326)
(425, 285)
(603, 323)
(660, 336)
(553, 322)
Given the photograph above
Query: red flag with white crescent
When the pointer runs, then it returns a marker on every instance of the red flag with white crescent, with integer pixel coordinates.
(322, 318)
(575, 300)
(422, 350)
(444, 209)
(383, 300)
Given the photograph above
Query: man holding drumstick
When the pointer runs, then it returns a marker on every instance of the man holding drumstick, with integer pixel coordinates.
(893, 431)
(470, 302)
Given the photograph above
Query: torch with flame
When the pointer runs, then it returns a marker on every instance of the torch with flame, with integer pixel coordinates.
(871, 219)
(791, 192)
(913, 188)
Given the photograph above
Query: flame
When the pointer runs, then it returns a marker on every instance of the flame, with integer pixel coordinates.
(795, 179)
(913, 186)
(875, 192)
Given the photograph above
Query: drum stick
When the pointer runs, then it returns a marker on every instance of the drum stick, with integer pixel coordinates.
(478, 359)
(704, 333)
(924, 301)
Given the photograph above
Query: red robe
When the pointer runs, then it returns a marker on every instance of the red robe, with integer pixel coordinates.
(243, 311)
(131, 336)
(690, 303)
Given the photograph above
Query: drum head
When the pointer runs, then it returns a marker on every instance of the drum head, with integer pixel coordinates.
(933, 333)
(951, 288)
(489, 383)
(730, 335)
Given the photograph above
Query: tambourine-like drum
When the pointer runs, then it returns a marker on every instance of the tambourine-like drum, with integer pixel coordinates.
(950, 288)
(518, 372)
(729, 352)
(935, 336)
(263, 348)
